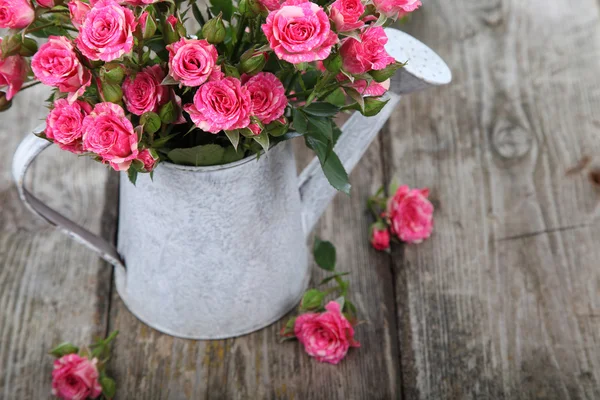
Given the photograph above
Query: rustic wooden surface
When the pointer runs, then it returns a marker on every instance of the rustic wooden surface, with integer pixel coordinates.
(501, 303)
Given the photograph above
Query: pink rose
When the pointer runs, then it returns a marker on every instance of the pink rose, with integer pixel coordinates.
(366, 88)
(56, 64)
(221, 105)
(410, 214)
(16, 14)
(270, 5)
(136, 3)
(107, 31)
(64, 124)
(268, 97)
(380, 238)
(144, 93)
(300, 32)
(326, 336)
(108, 133)
(148, 159)
(368, 54)
(78, 10)
(395, 8)
(346, 14)
(192, 62)
(75, 378)
(13, 71)
(46, 3)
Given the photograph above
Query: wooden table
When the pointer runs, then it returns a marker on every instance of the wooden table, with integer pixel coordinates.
(501, 303)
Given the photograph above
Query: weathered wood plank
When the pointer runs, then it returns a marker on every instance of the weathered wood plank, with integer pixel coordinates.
(51, 288)
(150, 365)
(502, 302)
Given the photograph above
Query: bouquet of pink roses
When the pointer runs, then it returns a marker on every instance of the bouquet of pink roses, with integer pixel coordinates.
(133, 87)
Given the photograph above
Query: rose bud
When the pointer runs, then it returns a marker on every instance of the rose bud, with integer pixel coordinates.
(78, 10)
(10, 46)
(48, 3)
(147, 25)
(113, 73)
(168, 113)
(214, 30)
(252, 62)
(170, 33)
(4, 102)
(380, 236)
(28, 47)
(112, 92)
(151, 122)
(250, 8)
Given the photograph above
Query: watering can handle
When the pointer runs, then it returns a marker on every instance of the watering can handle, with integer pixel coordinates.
(26, 153)
(424, 69)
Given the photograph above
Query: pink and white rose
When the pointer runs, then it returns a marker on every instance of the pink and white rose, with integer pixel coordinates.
(107, 31)
(368, 54)
(144, 92)
(268, 97)
(192, 62)
(56, 64)
(78, 10)
(410, 214)
(64, 124)
(13, 72)
(221, 105)
(270, 5)
(299, 32)
(148, 159)
(75, 378)
(346, 14)
(396, 8)
(326, 336)
(110, 135)
(16, 14)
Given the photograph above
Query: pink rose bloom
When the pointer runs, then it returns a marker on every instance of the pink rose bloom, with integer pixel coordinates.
(192, 62)
(16, 14)
(107, 31)
(367, 88)
(136, 3)
(367, 55)
(149, 161)
(300, 32)
(78, 10)
(64, 124)
(221, 105)
(144, 93)
(326, 336)
(395, 8)
(56, 64)
(346, 14)
(75, 378)
(268, 97)
(410, 214)
(270, 5)
(13, 71)
(46, 3)
(380, 238)
(108, 133)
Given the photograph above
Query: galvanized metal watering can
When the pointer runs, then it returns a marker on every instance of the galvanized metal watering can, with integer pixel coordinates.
(189, 269)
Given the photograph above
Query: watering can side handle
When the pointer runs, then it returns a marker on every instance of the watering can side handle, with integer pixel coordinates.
(357, 134)
(26, 153)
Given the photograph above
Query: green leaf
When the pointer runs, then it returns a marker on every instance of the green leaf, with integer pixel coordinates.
(372, 106)
(234, 137)
(321, 109)
(222, 6)
(324, 254)
(356, 96)
(158, 143)
(64, 349)
(109, 387)
(132, 174)
(332, 277)
(169, 81)
(168, 113)
(336, 173)
(320, 126)
(300, 121)
(151, 122)
(263, 140)
(204, 155)
(198, 14)
(287, 332)
(384, 74)
(312, 300)
(337, 97)
(232, 155)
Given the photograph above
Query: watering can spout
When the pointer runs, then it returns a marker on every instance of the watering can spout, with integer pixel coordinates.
(424, 69)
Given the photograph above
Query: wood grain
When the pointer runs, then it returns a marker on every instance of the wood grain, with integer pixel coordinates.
(502, 302)
(154, 366)
(51, 288)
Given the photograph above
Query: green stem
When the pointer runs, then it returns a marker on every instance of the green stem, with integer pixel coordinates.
(239, 36)
(39, 28)
(111, 337)
(30, 85)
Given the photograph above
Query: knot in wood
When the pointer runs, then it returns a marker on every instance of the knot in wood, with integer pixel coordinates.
(511, 142)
